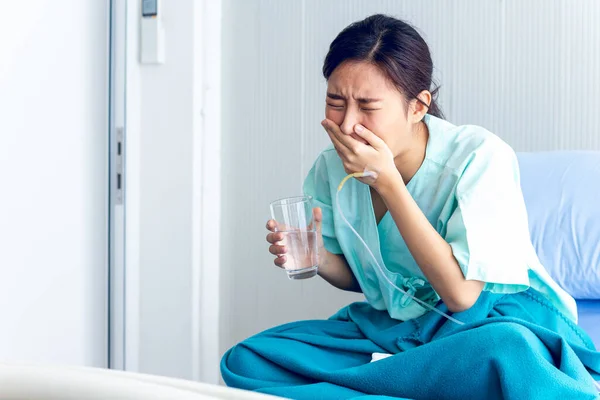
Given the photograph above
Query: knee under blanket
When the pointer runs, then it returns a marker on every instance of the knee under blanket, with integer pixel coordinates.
(516, 346)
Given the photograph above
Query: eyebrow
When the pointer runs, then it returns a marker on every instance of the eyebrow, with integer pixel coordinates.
(363, 100)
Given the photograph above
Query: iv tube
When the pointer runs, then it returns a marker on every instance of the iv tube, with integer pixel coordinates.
(337, 196)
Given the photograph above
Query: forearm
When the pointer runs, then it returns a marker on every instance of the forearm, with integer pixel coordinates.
(335, 269)
(429, 249)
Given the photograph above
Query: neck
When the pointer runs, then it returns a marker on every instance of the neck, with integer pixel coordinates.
(409, 161)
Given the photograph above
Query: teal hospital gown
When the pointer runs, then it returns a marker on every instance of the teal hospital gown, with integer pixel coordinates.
(519, 340)
(468, 188)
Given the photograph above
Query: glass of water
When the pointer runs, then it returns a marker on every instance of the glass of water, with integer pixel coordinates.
(294, 218)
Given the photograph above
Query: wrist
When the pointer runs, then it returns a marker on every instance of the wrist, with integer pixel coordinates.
(389, 183)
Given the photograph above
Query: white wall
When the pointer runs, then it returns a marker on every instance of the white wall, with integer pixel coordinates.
(53, 174)
(529, 71)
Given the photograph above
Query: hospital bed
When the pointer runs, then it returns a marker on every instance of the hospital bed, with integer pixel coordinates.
(562, 195)
(45, 382)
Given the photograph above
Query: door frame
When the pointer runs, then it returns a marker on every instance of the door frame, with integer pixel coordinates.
(125, 106)
(117, 107)
(206, 255)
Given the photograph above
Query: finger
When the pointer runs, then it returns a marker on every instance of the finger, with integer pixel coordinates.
(274, 237)
(277, 250)
(354, 136)
(340, 149)
(339, 146)
(343, 153)
(373, 140)
(318, 218)
(271, 225)
(318, 214)
(280, 261)
(347, 140)
(336, 134)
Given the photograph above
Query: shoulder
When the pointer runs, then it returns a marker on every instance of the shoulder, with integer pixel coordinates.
(327, 160)
(327, 166)
(328, 154)
(465, 147)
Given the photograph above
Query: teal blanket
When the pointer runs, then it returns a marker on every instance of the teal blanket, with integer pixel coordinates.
(515, 346)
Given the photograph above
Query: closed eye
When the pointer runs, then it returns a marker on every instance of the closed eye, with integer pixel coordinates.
(339, 107)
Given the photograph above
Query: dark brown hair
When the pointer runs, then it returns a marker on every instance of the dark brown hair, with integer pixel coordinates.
(392, 45)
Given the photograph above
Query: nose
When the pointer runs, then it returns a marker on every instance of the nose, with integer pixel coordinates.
(350, 119)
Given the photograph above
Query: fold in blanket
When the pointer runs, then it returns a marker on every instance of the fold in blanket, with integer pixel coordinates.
(515, 346)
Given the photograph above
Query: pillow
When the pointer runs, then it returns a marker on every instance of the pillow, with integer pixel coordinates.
(562, 195)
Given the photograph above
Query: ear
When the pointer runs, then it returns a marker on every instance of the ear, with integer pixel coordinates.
(418, 109)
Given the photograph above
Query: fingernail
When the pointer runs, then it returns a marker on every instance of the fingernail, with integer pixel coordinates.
(358, 128)
(324, 123)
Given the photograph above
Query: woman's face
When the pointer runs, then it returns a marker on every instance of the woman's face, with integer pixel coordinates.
(360, 93)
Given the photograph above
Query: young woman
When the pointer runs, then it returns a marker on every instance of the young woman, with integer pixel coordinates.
(445, 217)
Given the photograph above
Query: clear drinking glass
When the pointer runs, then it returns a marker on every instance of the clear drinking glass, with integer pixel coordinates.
(294, 218)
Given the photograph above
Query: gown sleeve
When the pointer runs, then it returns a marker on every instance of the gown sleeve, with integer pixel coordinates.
(488, 229)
